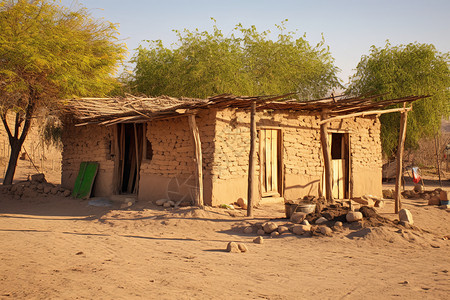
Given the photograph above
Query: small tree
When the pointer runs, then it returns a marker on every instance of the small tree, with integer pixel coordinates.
(48, 52)
(246, 62)
(398, 71)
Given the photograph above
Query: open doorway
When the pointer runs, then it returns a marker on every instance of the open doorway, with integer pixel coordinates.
(340, 164)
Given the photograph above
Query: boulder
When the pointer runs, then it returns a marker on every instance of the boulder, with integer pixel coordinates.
(242, 247)
(242, 202)
(260, 232)
(368, 212)
(54, 190)
(388, 194)
(283, 229)
(40, 178)
(434, 200)
(274, 234)
(232, 247)
(354, 216)
(418, 188)
(160, 202)
(301, 229)
(321, 220)
(248, 229)
(405, 216)
(258, 240)
(325, 230)
(269, 227)
(297, 217)
(67, 193)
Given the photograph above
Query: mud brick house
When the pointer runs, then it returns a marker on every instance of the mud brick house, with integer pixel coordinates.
(183, 149)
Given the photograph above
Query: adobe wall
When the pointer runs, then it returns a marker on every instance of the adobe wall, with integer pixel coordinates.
(88, 143)
(171, 173)
(302, 154)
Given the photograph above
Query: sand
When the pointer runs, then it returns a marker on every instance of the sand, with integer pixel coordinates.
(62, 248)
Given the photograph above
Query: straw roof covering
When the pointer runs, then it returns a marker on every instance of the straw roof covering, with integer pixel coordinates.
(109, 111)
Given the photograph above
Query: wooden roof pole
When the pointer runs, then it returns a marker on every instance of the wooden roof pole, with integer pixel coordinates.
(326, 157)
(251, 192)
(365, 113)
(400, 149)
(198, 160)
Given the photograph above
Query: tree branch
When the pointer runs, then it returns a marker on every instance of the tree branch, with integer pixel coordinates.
(5, 124)
(28, 114)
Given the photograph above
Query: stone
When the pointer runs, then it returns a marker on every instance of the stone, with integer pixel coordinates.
(354, 216)
(368, 212)
(321, 220)
(338, 224)
(269, 227)
(160, 202)
(301, 229)
(379, 203)
(405, 216)
(325, 230)
(418, 188)
(305, 222)
(38, 178)
(365, 200)
(47, 189)
(258, 240)
(166, 204)
(426, 196)
(171, 203)
(242, 202)
(297, 217)
(54, 190)
(260, 232)
(434, 200)
(242, 247)
(67, 193)
(232, 247)
(443, 196)
(388, 194)
(40, 187)
(283, 229)
(274, 234)
(248, 229)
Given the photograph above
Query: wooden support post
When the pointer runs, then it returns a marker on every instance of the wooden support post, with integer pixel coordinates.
(198, 159)
(400, 149)
(138, 165)
(251, 193)
(326, 158)
(116, 175)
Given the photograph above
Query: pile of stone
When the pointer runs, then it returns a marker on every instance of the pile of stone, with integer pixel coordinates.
(34, 187)
(435, 197)
(166, 203)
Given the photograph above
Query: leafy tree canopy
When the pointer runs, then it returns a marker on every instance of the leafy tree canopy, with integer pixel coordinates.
(48, 52)
(246, 62)
(405, 70)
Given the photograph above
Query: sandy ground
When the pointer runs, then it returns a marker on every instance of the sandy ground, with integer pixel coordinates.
(62, 248)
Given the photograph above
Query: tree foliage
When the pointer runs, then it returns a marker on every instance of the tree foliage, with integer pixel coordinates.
(405, 70)
(246, 62)
(48, 52)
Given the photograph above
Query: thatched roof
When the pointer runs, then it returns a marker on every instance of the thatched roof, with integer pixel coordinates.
(108, 111)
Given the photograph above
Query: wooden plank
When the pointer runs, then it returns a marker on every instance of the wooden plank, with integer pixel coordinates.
(280, 163)
(274, 160)
(251, 193)
(364, 113)
(122, 155)
(85, 180)
(269, 161)
(198, 160)
(400, 149)
(116, 174)
(262, 141)
(327, 158)
(138, 164)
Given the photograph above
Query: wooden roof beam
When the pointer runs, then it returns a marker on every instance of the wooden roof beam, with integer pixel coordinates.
(366, 113)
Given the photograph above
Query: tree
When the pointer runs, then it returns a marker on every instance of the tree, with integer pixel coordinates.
(404, 70)
(48, 52)
(246, 62)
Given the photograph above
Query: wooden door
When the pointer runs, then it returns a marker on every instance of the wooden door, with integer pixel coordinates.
(270, 158)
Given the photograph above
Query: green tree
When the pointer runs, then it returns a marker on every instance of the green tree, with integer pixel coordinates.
(246, 62)
(48, 52)
(405, 70)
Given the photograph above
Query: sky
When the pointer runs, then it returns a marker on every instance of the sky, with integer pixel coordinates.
(350, 27)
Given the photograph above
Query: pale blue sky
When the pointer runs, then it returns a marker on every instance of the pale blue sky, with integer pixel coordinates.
(350, 27)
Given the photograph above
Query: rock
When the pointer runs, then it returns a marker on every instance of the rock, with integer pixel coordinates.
(283, 229)
(171, 203)
(320, 220)
(160, 202)
(443, 196)
(379, 203)
(354, 216)
(67, 193)
(405, 224)
(274, 234)
(305, 222)
(29, 193)
(269, 227)
(258, 240)
(242, 247)
(338, 224)
(426, 196)
(418, 188)
(368, 212)
(166, 204)
(406, 216)
(242, 202)
(232, 247)
(388, 194)
(40, 187)
(260, 232)
(365, 200)
(325, 230)
(434, 200)
(54, 190)
(301, 229)
(248, 229)
(38, 178)
(297, 217)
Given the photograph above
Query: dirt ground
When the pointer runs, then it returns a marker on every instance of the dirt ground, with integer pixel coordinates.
(61, 248)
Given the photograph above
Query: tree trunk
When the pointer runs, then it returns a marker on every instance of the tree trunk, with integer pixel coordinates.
(251, 192)
(14, 156)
